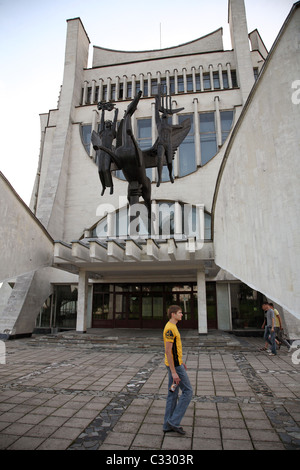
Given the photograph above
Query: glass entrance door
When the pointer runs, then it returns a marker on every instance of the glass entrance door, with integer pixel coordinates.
(143, 305)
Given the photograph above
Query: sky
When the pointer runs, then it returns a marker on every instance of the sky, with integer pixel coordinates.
(32, 47)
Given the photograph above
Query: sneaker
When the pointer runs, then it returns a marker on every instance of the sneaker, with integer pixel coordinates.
(177, 429)
(271, 354)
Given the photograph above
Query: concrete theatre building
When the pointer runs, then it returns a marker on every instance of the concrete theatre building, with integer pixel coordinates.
(104, 273)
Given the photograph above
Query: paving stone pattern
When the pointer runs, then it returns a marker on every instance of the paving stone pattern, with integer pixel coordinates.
(112, 397)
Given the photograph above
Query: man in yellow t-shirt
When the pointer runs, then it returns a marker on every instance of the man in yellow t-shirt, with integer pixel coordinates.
(175, 409)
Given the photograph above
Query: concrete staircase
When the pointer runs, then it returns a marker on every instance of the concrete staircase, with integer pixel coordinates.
(140, 340)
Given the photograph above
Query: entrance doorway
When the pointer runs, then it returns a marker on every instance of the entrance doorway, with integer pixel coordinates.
(143, 305)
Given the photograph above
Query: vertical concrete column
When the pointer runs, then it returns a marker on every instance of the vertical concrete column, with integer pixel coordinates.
(184, 80)
(92, 100)
(194, 79)
(133, 80)
(221, 76)
(124, 87)
(218, 121)
(94, 128)
(229, 74)
(202, 310)
(197, 132)
(176, 81)
(201, 78)
(111, 224)
(155, 222)
(149, 83)
(85, 92)
(177, 221)
(158, 76)
(241, 46)
(117, 87)
(142, 82)
(211, 77)
(82, 301)
(108, 89)
(100, 95)
(168, 82)
(201, 225)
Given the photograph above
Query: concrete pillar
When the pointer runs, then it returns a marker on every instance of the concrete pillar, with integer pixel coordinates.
(142, 83)
(178, 221)
(149, 83)
(221, 76)
(229, 74)
(202, 310)
(184, 80)
(168, 82)
(82, 301)
(85, 92)
(100, 94)
(124, 87)
(218, 121)
(92, 100)
(241, 46)
(211, 77)
(176, 81)
(201, 78)
(95, 116)
(133, 80)
(197, 132)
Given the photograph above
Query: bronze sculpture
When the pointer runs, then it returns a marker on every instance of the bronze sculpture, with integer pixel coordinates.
(133, 161)
(107, 134)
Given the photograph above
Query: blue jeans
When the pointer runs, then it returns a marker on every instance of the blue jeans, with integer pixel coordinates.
(175, 409)
(271, 340)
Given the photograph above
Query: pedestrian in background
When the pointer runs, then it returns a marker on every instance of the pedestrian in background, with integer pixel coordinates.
(270, 330)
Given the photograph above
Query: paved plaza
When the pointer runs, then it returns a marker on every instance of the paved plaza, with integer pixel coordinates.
(107, 392)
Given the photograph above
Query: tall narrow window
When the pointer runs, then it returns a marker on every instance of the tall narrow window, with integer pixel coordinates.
(86, 132)
(144, 138)
(105, 93)
(187, 160)
(226, 123)
(163, 83)
(172, 85)
(216, 79)
(180, 85)
(113, 92)
(225, 80)
(206, 81)
(234, 79)
(189, 82)
(208, 139)
(129, 90)
(154, 88)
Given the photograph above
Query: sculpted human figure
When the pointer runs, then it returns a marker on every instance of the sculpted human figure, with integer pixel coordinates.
(128, 157)
(107, 134)
(170, 136)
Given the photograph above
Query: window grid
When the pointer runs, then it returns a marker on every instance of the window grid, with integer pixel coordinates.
(177, 84)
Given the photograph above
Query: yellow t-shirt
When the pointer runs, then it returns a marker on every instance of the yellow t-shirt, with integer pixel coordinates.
(172, 335)
(277, 324)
